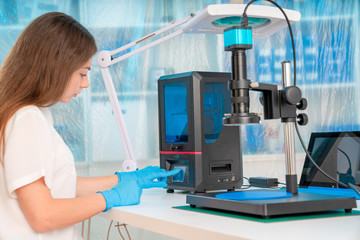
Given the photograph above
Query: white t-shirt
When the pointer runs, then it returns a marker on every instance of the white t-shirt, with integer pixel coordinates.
(33, 150)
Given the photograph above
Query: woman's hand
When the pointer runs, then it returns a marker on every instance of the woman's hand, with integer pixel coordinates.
(149, 177)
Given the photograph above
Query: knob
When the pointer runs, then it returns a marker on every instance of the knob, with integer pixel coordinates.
(292, 95)
(302, 105)
(302, 119)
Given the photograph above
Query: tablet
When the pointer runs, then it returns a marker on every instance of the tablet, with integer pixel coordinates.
(338, 154)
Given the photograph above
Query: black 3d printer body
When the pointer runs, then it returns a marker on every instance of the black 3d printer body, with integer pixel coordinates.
(192, 137)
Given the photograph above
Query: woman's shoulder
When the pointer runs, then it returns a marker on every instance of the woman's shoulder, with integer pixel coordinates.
(26, 117)
(29, 109)
(32, 111)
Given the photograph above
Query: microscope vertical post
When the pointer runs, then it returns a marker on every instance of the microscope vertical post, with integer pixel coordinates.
(291, 177)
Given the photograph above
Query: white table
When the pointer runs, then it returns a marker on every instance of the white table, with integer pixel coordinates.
(155, 213)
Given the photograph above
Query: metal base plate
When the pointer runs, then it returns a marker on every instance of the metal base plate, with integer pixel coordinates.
(298, 203)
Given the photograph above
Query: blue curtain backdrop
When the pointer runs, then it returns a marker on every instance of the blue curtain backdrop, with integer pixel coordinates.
(327, 48)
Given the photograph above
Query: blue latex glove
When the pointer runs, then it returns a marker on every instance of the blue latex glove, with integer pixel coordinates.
(146, 176)
(123, 194)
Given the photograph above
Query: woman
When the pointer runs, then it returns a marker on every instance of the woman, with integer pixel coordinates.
(40, 195)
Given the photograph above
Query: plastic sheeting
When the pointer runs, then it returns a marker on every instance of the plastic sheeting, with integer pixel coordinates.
(327, 48)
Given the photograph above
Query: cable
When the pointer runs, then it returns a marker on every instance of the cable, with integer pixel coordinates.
(245, 186)
(281, 183)
(352, 186)
(289, 26)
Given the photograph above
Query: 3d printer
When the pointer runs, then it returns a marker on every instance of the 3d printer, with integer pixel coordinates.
(192, 136)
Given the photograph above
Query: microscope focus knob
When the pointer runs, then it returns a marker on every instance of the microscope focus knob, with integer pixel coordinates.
(302, 119)
(292, 95)
(302, 105)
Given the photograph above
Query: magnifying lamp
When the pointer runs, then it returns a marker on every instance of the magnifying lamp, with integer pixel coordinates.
(213, 19)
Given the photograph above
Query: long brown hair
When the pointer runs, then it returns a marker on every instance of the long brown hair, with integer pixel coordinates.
(39, 66)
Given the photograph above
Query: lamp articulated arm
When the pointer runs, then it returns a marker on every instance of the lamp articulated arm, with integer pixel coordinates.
(105, 59)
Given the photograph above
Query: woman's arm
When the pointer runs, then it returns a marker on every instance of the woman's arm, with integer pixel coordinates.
(44, 213)
(89, 185)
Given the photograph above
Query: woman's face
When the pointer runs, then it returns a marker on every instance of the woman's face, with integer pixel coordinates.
(78, 81)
